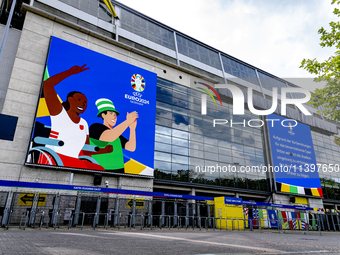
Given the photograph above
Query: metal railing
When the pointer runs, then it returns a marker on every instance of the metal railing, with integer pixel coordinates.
(143, 221)
(66, 217)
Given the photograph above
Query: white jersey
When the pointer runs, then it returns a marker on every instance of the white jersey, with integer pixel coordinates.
(72, 134)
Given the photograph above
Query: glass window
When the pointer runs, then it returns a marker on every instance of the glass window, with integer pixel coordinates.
(163, 106)
(197, 122)
(195, 130)
(163, 130)
(210, 148)
(180, 134)
(224, 144)
(237, 147)
(163, 121)
(198, 52)
(180, 102)
(197, 102)
(147, 29)
(197, 138)
(176, 167)
(180, 95)
(180, 110)
(212, 141)
(180, 150)
(240, 161)
(196, 145)
(224, 151)
(164, 98)
(270, 82)
(163, 147)
(163, 175)
(162, 138)
(178, 118)
(89, 6)
(249, 150)
(210, 156)
(163, 113)
(196, 153)
(179, 125)
(239, 70)
(225, 159)
(162, 165)
(196, 162)
(162, 156)
(164, 90)
(180, 142)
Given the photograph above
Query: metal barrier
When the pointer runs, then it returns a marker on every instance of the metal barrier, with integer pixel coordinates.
(9, 219)
(65, 211)
(281, 224)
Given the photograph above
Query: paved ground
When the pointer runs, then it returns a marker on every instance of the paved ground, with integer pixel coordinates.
(137, 242)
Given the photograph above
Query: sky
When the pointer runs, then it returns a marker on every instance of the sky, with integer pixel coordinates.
(273, 35)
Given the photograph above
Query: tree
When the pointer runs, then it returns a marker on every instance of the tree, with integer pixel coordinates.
(329, 71)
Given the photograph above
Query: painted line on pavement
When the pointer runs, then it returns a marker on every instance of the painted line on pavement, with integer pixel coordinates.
(193, 241)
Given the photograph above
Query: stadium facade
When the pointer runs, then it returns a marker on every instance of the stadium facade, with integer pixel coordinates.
(190, 156)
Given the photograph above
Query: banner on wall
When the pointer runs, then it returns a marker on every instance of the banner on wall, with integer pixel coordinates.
(95, 113)
(294, 163)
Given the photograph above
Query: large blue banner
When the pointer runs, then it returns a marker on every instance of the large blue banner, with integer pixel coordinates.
(293, 155)
(95, 113)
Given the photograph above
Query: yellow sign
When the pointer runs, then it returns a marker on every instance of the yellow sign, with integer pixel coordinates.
(139, 203)
(301, 200)
(228, 211)
(26, 199)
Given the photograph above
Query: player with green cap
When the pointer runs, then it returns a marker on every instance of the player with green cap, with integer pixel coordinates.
(105, 134)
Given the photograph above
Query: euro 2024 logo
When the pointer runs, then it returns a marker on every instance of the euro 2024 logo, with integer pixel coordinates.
(138, 85)
(138, 82)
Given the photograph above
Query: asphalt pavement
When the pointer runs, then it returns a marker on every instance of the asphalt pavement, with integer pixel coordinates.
(140, 242)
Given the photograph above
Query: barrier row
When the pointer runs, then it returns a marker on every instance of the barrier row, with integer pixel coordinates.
(164, 221)
(54, 210)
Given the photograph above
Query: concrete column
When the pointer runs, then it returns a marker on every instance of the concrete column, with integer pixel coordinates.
(119, 182)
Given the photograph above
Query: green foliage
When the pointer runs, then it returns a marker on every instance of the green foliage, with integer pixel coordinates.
(329, 71)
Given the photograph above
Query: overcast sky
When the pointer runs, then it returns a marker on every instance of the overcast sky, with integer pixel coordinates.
(273, 35)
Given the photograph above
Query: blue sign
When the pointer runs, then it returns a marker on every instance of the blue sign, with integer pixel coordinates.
(233, 200)
(36, 185)
(293, 153)
(276, 205)
(95, 113)
(98, 190)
